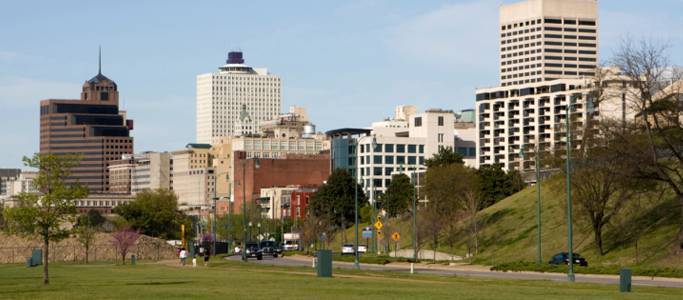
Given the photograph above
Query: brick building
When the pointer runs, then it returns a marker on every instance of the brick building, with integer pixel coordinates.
(303, 170)
(92, 127)
(299, 203)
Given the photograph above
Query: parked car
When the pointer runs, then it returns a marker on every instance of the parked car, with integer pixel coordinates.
(290, 246)
(362, 249)
(563, 258)
(270, 248)
(348, 249)
(252, 250)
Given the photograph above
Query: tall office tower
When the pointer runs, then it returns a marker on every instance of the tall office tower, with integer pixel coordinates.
(548, 60)
(221, 96)
(92, 127)
(542, 40)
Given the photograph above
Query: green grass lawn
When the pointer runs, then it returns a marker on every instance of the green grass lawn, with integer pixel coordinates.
(236, 280)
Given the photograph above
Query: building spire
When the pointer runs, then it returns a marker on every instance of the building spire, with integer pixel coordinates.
(99, 65)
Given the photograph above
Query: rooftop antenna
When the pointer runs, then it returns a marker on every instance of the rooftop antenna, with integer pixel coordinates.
(99, 65)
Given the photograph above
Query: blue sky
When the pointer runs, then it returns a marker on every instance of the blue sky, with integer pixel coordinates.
(347, 62)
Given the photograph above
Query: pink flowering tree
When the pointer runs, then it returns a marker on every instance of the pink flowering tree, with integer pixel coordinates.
(123, 239)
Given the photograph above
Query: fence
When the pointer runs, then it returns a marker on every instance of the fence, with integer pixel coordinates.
(98, 252)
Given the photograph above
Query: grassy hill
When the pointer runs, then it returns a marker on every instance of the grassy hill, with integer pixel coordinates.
(508, 233)
(509, 230)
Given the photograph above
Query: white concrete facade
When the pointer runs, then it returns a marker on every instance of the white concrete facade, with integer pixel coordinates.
(542, 40)
(152, 170)
(222, 94)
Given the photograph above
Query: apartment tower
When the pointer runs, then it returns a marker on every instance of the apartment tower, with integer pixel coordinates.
(92, 127)
(548, 59)
(233, 89)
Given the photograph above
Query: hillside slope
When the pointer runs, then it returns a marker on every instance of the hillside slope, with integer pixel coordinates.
(509, 230)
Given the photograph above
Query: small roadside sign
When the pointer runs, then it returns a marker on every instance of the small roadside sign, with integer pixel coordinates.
(380, 234)
(379, 225)
(367, 232)
(395, 236)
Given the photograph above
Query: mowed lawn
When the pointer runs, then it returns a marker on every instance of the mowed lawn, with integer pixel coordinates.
(236, 280)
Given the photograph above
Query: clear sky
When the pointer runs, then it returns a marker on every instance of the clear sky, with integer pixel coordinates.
(348, 62)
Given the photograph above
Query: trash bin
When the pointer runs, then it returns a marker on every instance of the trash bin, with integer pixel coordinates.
(625, 280)
(29, 262)
(324, 263)
(37, 257)
(133, 259)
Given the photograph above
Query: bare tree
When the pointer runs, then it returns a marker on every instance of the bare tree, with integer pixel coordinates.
(123, 239)
(654, 145)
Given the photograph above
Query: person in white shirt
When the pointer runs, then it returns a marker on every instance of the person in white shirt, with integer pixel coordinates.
(183, 256)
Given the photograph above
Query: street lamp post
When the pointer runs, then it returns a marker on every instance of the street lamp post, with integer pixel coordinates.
(372, 191)
(570, 234)
(413, 175)
(213, 224)
(244, 204)
(356, 264)
(539, 255)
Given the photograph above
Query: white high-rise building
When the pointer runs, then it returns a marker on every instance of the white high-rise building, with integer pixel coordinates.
(543, 40)
(548, 62)
(221, 95)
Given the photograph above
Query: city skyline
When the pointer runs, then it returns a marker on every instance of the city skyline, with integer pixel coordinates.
(411, 54)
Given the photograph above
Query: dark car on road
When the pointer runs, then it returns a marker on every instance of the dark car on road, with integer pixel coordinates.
(563, 258)
(270, 248)
(252, 250)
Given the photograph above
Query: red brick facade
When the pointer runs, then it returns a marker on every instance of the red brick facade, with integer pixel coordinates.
(303, 170)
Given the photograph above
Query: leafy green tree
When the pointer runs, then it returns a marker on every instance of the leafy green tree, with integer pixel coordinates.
(496, 184)
(44, 213)
(155, 213)
(85, 234)
(445, 156)
(441, 190)
(398, 196)
(334, 200)
(92, 218)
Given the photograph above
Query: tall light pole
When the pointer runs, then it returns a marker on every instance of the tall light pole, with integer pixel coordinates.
(372, 191)
(413, 179)
(244, 208)
(539, 255)
(244, 203)
(356, 264)
(570, 234)
(213, 223)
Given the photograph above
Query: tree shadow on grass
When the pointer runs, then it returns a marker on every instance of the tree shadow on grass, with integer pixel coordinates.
(158, 283)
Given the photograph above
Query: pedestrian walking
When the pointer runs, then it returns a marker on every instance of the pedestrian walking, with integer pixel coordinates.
(206, 258)
(183, 256)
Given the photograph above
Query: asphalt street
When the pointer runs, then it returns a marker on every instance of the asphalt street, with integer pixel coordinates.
(451, 271)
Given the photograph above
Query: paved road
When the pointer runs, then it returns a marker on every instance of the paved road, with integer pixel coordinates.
(454, 271)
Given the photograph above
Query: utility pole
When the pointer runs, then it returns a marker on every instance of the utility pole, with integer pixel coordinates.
(570, 234)
(244, 208)
(539, 256)
(414, 217)
(356, 264)
(372, 192)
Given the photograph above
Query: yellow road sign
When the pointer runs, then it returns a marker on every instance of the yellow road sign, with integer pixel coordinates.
(395, 236)
(378, 224)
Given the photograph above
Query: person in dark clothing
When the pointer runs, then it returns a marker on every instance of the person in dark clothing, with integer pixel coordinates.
(206, 258)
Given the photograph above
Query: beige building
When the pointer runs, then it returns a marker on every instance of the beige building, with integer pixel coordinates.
(152, 170)
(193, 178)
(543, 40)
(275, 201)
(22, 183)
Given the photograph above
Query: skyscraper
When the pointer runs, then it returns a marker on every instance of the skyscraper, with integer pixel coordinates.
(548, 60)
(92, 127)
(222, 95)
(542, 40)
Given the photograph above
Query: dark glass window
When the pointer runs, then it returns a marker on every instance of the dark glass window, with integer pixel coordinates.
(377, 159)
(400, 160)
(388, 171)
(422, 149)
(440, 120)
(400, 148)
(389, 160)
(412, 148)
(377, 171)
(418, 121)
(389, 148)
(412, 160)
(104, 96)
